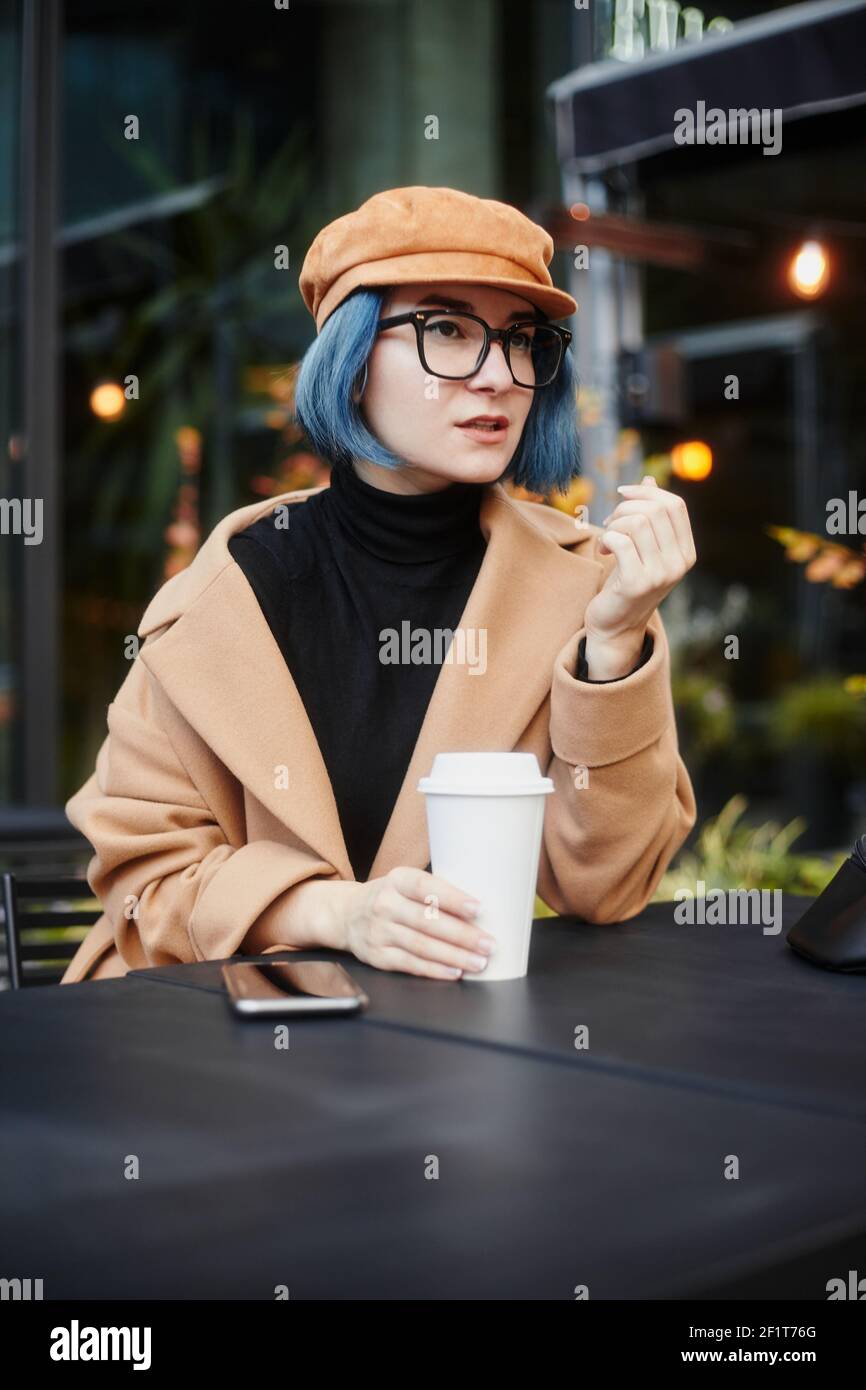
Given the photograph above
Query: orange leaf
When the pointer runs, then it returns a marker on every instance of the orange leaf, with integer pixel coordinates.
(825, 566)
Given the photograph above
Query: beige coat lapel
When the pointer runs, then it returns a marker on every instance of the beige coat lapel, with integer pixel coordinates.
(221, 667)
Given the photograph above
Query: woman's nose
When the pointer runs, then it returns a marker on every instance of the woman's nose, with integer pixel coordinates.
(494, 369)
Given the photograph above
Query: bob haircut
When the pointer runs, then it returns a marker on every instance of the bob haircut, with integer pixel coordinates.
(547, 457)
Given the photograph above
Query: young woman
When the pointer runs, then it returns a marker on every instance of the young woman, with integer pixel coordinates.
(257, 788)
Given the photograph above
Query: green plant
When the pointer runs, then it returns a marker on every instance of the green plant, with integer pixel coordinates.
(705, 714)
(826, 561)
(50, 936)
(730, 855)
(822, 715)
(542, 910)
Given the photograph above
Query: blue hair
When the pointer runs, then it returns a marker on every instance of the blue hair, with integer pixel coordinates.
(547, 457)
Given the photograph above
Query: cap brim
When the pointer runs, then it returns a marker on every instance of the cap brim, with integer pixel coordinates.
(556, 304)
(553, 302)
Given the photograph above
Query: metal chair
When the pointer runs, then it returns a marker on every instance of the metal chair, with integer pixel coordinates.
(33, 909)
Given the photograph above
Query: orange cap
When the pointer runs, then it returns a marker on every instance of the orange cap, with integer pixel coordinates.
(424, 235)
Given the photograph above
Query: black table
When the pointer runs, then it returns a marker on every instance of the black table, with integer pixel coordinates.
(557, 1167)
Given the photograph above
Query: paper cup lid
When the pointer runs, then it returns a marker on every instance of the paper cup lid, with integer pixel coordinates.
(485, 774)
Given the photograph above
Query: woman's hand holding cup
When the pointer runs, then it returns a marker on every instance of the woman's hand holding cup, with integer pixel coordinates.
(414, 921)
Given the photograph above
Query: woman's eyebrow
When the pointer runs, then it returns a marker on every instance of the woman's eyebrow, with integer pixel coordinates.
(445, 302)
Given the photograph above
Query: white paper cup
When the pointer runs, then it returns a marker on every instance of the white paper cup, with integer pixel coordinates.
(485, 816)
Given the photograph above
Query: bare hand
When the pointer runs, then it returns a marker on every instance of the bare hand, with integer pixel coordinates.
(411, 920)
(650, 534)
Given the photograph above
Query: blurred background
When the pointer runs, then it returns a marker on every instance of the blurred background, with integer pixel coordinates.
(163, 169)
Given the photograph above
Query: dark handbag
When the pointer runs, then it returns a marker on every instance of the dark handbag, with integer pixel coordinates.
(832, 930)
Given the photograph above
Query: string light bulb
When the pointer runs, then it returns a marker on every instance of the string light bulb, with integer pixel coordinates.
(107, 400)
(809, 270)
(692, 460)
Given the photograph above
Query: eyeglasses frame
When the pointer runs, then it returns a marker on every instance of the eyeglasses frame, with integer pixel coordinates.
(419, 317)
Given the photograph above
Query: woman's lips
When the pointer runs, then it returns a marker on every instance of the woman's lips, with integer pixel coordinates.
(485, 435)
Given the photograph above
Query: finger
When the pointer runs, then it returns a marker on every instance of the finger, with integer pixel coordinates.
(678, 512)
(627, 559)
(639, 529)
(430, 889)
(679, 515)
(395, 958)
(662, 524)
(427, 947)
(431, 920)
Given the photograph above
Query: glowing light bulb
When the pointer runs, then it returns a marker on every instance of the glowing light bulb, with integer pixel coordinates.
(809, 270)
(107, 400)
(692, 460)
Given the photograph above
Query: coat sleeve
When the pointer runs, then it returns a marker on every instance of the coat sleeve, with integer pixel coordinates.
(172, 884)
(623, 802)
(582, 671)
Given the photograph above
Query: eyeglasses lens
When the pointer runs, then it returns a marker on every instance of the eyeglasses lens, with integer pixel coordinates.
(453, 345)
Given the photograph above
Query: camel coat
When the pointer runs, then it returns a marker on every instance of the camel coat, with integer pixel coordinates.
(195, 831)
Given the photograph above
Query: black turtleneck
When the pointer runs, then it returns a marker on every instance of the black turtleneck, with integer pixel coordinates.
(355, 560)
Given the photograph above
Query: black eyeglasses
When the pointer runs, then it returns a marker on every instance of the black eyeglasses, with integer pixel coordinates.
(453, 345)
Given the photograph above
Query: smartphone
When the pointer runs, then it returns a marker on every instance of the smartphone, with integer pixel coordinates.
(292, 987)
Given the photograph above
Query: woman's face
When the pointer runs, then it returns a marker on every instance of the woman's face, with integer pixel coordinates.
(419, 417)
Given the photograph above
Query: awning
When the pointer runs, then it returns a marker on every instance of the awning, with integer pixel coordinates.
(802, 60)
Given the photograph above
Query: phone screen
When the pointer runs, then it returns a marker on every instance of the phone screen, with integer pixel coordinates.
(308, 986)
